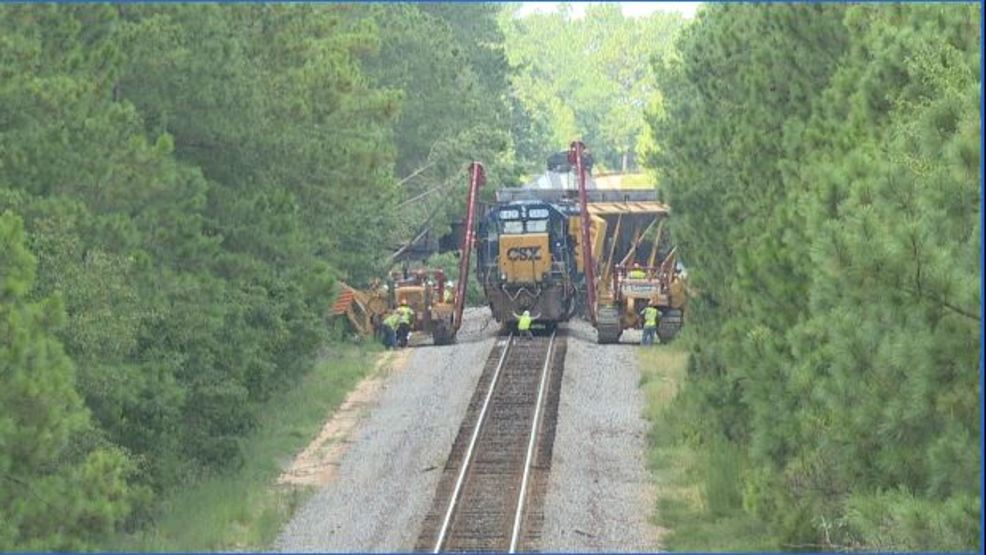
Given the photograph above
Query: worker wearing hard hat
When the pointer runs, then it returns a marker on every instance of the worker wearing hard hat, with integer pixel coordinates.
(636, 272)
(651, 318)
(406, 315)
(524, 321)
(448, 296)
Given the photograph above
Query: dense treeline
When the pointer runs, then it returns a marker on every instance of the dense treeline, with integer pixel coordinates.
(448, 65)
(179, 187)
(587, 77)
(823, 165)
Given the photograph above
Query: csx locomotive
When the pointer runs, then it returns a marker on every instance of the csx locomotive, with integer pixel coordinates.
(530, 256)
(527, 260)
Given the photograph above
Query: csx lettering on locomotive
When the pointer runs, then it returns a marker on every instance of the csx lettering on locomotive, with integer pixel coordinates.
(524, 253)
(523, 258)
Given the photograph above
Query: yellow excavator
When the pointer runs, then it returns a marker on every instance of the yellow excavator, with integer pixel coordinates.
(437, 309)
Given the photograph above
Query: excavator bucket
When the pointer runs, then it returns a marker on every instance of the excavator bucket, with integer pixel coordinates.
(342, 302)
(353, 305)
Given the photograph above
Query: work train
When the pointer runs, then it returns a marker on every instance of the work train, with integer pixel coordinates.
(530, 256)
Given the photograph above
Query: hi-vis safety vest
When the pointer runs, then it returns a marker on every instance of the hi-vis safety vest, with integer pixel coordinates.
(405, 314)
(637, 274)
(524, 322)
(392, 321)
(650, 317)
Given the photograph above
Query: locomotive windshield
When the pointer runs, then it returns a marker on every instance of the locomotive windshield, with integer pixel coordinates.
(513, 227)
(520, 219)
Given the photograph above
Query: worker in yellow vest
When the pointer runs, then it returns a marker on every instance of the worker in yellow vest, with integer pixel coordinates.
(390, 324)
(637, 272)
(524, 322)
(406, 315)
(651, 317)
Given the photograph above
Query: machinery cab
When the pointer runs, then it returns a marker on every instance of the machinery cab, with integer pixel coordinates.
(426, 292)
(665, 285)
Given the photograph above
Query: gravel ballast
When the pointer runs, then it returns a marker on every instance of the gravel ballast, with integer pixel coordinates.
(600, 496)
(387, 478)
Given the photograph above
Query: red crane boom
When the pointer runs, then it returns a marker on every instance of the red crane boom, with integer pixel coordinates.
(575, 157)
(477, 177)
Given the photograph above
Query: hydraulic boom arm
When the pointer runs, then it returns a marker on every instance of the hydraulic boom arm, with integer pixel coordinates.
(477, 176)
(575, 157)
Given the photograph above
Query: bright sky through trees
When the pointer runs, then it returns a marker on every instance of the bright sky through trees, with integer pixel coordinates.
(631, 9)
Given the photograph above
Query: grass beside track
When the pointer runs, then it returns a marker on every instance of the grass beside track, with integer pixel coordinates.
(698, 498)
(244, 510)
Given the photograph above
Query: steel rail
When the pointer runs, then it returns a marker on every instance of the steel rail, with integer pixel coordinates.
(467, 459)
(518, 515)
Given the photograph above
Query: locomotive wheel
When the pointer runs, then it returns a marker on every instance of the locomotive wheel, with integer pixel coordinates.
(608, 328)
(669, 325)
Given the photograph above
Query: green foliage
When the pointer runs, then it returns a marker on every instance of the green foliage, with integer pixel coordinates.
(61, 486)
(448, 63)
(585, 78)
(899, 520)
(192, 181)
(240, 510)
(698, 483)
(826, 189)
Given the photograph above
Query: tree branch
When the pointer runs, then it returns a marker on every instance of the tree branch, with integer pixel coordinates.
(415, 173)
(944, 303)
(28, 487)
(446, 184)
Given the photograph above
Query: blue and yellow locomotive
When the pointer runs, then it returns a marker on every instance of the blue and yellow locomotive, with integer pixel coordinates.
(526, 260)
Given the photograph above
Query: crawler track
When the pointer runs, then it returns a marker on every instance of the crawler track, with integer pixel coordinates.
(489, 497)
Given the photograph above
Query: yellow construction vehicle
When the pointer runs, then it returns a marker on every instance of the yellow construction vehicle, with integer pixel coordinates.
(619, 234)
(437, 309)
(363, 309)
(433, 305)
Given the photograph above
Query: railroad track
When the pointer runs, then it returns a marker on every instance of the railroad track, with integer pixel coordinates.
(489, 497)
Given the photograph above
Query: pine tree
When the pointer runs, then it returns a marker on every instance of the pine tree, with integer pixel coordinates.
(822, 164)
(57, 490)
